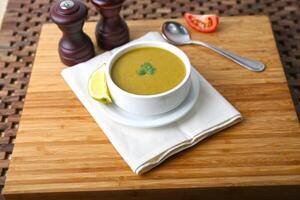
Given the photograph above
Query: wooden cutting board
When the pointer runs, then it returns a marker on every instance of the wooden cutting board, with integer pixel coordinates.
(61, 153)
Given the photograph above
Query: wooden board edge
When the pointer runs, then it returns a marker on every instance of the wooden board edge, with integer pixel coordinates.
(291, 192)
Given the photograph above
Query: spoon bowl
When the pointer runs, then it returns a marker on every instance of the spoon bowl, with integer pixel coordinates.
(175, 33)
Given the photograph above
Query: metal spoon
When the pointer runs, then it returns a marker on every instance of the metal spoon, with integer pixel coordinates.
(177, 34)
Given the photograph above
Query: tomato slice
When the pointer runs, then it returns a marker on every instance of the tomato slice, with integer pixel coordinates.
(202, 23)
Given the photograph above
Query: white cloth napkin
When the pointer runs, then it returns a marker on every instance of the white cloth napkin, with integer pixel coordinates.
(145, 148)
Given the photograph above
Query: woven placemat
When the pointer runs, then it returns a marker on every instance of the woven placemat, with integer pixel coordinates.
(24, 18)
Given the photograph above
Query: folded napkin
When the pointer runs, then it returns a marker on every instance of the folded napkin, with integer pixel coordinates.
(145, 148)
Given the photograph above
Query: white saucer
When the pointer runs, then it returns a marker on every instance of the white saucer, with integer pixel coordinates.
(123, 117)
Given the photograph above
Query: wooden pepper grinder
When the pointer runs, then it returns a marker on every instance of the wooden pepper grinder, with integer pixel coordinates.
(111, 31)
(74, 46)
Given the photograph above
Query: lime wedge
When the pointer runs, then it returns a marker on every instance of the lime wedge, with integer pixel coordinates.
(98, 87)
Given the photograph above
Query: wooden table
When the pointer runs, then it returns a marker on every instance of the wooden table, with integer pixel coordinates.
(61, 153)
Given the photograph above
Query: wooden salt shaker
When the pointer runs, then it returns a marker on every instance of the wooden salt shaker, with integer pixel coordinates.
(74, 46)
(111, 31)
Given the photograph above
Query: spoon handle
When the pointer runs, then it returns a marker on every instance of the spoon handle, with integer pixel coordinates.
(245, 62)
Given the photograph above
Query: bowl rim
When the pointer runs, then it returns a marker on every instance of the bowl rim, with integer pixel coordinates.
(157, 44)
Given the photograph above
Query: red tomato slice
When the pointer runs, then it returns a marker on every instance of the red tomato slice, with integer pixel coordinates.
(202, 23)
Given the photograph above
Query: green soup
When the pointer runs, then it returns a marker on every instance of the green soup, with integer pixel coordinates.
(147, 71)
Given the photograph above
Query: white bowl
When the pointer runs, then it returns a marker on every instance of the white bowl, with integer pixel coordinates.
(149, 104)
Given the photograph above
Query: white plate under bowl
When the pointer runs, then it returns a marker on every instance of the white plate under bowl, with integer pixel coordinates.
(123, 117)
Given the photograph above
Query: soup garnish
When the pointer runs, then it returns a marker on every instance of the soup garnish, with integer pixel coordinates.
(146, 68)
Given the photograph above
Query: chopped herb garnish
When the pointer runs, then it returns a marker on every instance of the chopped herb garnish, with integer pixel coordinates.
(146, 68)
